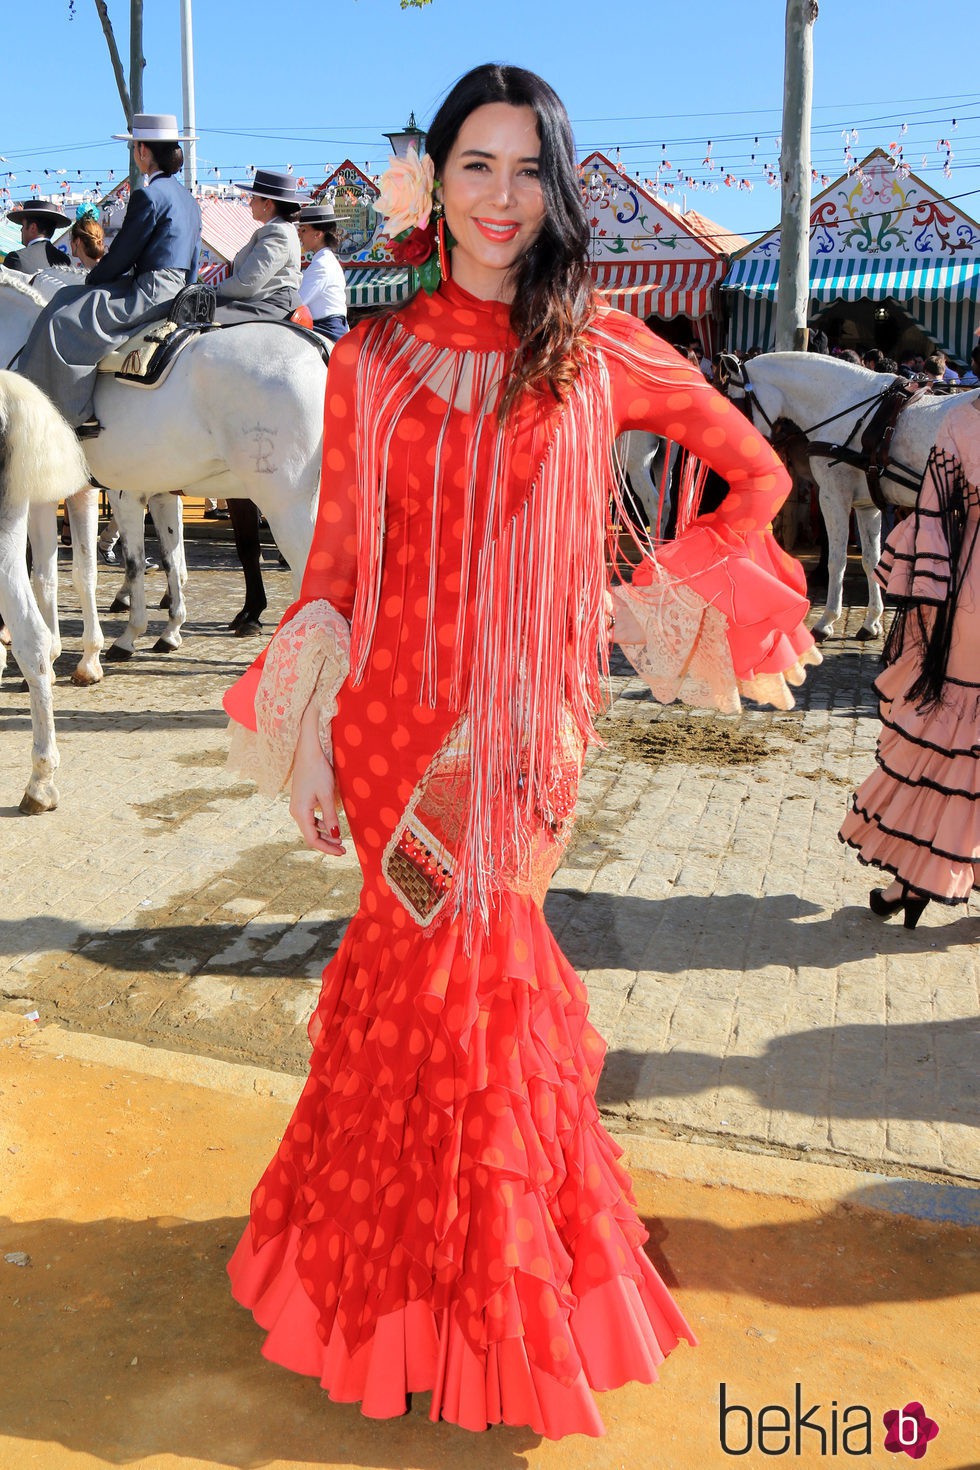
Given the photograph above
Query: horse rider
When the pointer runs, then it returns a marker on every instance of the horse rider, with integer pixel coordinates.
(38, 221)
(265, 274)
(322, 290)
(153, 256)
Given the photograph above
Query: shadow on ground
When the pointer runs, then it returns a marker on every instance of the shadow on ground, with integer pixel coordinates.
(738, 932)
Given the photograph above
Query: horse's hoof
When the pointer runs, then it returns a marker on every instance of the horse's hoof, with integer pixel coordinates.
(237, 620)
(820, 635)
(119, 604)
(33, 806)
(162, 646)
(866, 635)
(164, 600)
(83, 680)
(114, 654)
(248, 628)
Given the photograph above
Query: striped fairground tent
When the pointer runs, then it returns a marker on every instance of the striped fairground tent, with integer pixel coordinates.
(942, 297)
(649, 258)
(878, 234)
(374, 285)
(660, 288)
(667, 289)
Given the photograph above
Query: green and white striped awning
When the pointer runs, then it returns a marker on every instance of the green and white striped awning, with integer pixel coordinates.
(378, 285)
(943, 297)
(872, 278)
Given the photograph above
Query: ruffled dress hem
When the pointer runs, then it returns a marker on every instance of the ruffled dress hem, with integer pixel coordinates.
(622, 1332)
(917, 816)
(445, 1210)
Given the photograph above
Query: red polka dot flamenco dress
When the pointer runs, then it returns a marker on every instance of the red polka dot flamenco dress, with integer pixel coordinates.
(445, 1212)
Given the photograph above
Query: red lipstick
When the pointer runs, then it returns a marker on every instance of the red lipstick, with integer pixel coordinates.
(502, 231)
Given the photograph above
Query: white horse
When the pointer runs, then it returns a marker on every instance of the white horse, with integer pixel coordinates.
(240, 415)
(40, 462)
(831, 401)
(20, 303)
(640, 455)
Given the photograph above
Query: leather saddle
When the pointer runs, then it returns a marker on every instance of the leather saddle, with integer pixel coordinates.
(147, 358)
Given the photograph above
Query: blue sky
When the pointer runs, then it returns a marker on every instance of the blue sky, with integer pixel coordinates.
(309, 84)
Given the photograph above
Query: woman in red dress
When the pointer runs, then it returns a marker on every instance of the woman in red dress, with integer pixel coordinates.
(445, 1212)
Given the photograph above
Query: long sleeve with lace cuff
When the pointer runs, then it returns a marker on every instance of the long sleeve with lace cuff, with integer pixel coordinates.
(306, 662)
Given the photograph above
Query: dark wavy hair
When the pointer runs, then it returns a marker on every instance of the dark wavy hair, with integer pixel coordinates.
(554, 298)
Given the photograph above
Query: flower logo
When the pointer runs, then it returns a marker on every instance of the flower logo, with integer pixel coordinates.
(909, 1429)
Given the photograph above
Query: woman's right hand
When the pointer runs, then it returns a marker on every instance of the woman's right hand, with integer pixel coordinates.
(312, 804)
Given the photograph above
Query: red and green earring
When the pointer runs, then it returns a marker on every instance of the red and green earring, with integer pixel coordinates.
(444, 240)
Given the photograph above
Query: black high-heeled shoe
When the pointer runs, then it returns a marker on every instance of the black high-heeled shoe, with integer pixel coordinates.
(914, 908)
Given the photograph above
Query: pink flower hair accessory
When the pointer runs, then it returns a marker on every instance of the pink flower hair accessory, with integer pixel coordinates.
(406, 193)
(415, 222)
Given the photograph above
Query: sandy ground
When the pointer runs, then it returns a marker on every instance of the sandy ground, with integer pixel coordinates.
(120, 1345)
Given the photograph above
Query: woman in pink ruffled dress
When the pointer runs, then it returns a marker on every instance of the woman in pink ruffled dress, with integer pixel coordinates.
(918, 815)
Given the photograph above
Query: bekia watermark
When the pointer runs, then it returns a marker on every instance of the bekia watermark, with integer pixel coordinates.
(909, 1429)
(819, 1429)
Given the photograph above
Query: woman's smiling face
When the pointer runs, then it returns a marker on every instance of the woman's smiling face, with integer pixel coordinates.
(491, 192)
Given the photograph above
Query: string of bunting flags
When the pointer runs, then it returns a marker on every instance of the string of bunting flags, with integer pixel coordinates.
(667, 177)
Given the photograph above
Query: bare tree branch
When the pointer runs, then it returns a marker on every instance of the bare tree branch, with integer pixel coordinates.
(110, 39)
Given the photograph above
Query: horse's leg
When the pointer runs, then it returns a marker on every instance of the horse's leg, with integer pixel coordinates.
(129, 511)
(290, 508)
(83, 515)
(168, 518)
(638, 452)
(179, 556)
(31, 641)
(124, 597)
(835, 507)
(869, 530)
(42, 530)
(245, 524)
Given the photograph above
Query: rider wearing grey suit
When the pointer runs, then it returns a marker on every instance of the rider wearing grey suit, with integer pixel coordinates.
(152, 257)
(38, 221)
(265, 274)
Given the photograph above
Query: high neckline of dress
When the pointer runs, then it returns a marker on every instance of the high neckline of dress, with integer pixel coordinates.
(452, 317)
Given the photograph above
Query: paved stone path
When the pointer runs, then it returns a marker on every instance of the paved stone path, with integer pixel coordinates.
(743, 989)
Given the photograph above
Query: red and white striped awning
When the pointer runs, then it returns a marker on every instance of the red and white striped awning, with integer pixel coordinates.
(660, 288)
(210, 275)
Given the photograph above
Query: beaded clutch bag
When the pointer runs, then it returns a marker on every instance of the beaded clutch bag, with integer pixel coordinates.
(420, 869)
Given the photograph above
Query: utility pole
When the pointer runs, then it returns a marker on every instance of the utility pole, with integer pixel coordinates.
(793, 293)
(137, 61)
(187, 87)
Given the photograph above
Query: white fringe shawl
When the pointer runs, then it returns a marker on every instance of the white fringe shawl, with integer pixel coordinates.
(539, 643)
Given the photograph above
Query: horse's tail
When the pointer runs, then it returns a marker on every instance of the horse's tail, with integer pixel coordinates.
(40, 457)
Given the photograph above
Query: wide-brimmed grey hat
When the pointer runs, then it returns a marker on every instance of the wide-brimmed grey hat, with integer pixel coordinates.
(268, 184)
(317, 215)
(38, 209)
(154, 127)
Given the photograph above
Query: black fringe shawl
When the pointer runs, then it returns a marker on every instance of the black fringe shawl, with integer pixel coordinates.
(934, 636)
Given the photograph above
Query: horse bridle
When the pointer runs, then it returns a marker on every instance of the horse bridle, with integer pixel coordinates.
(874, 461)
